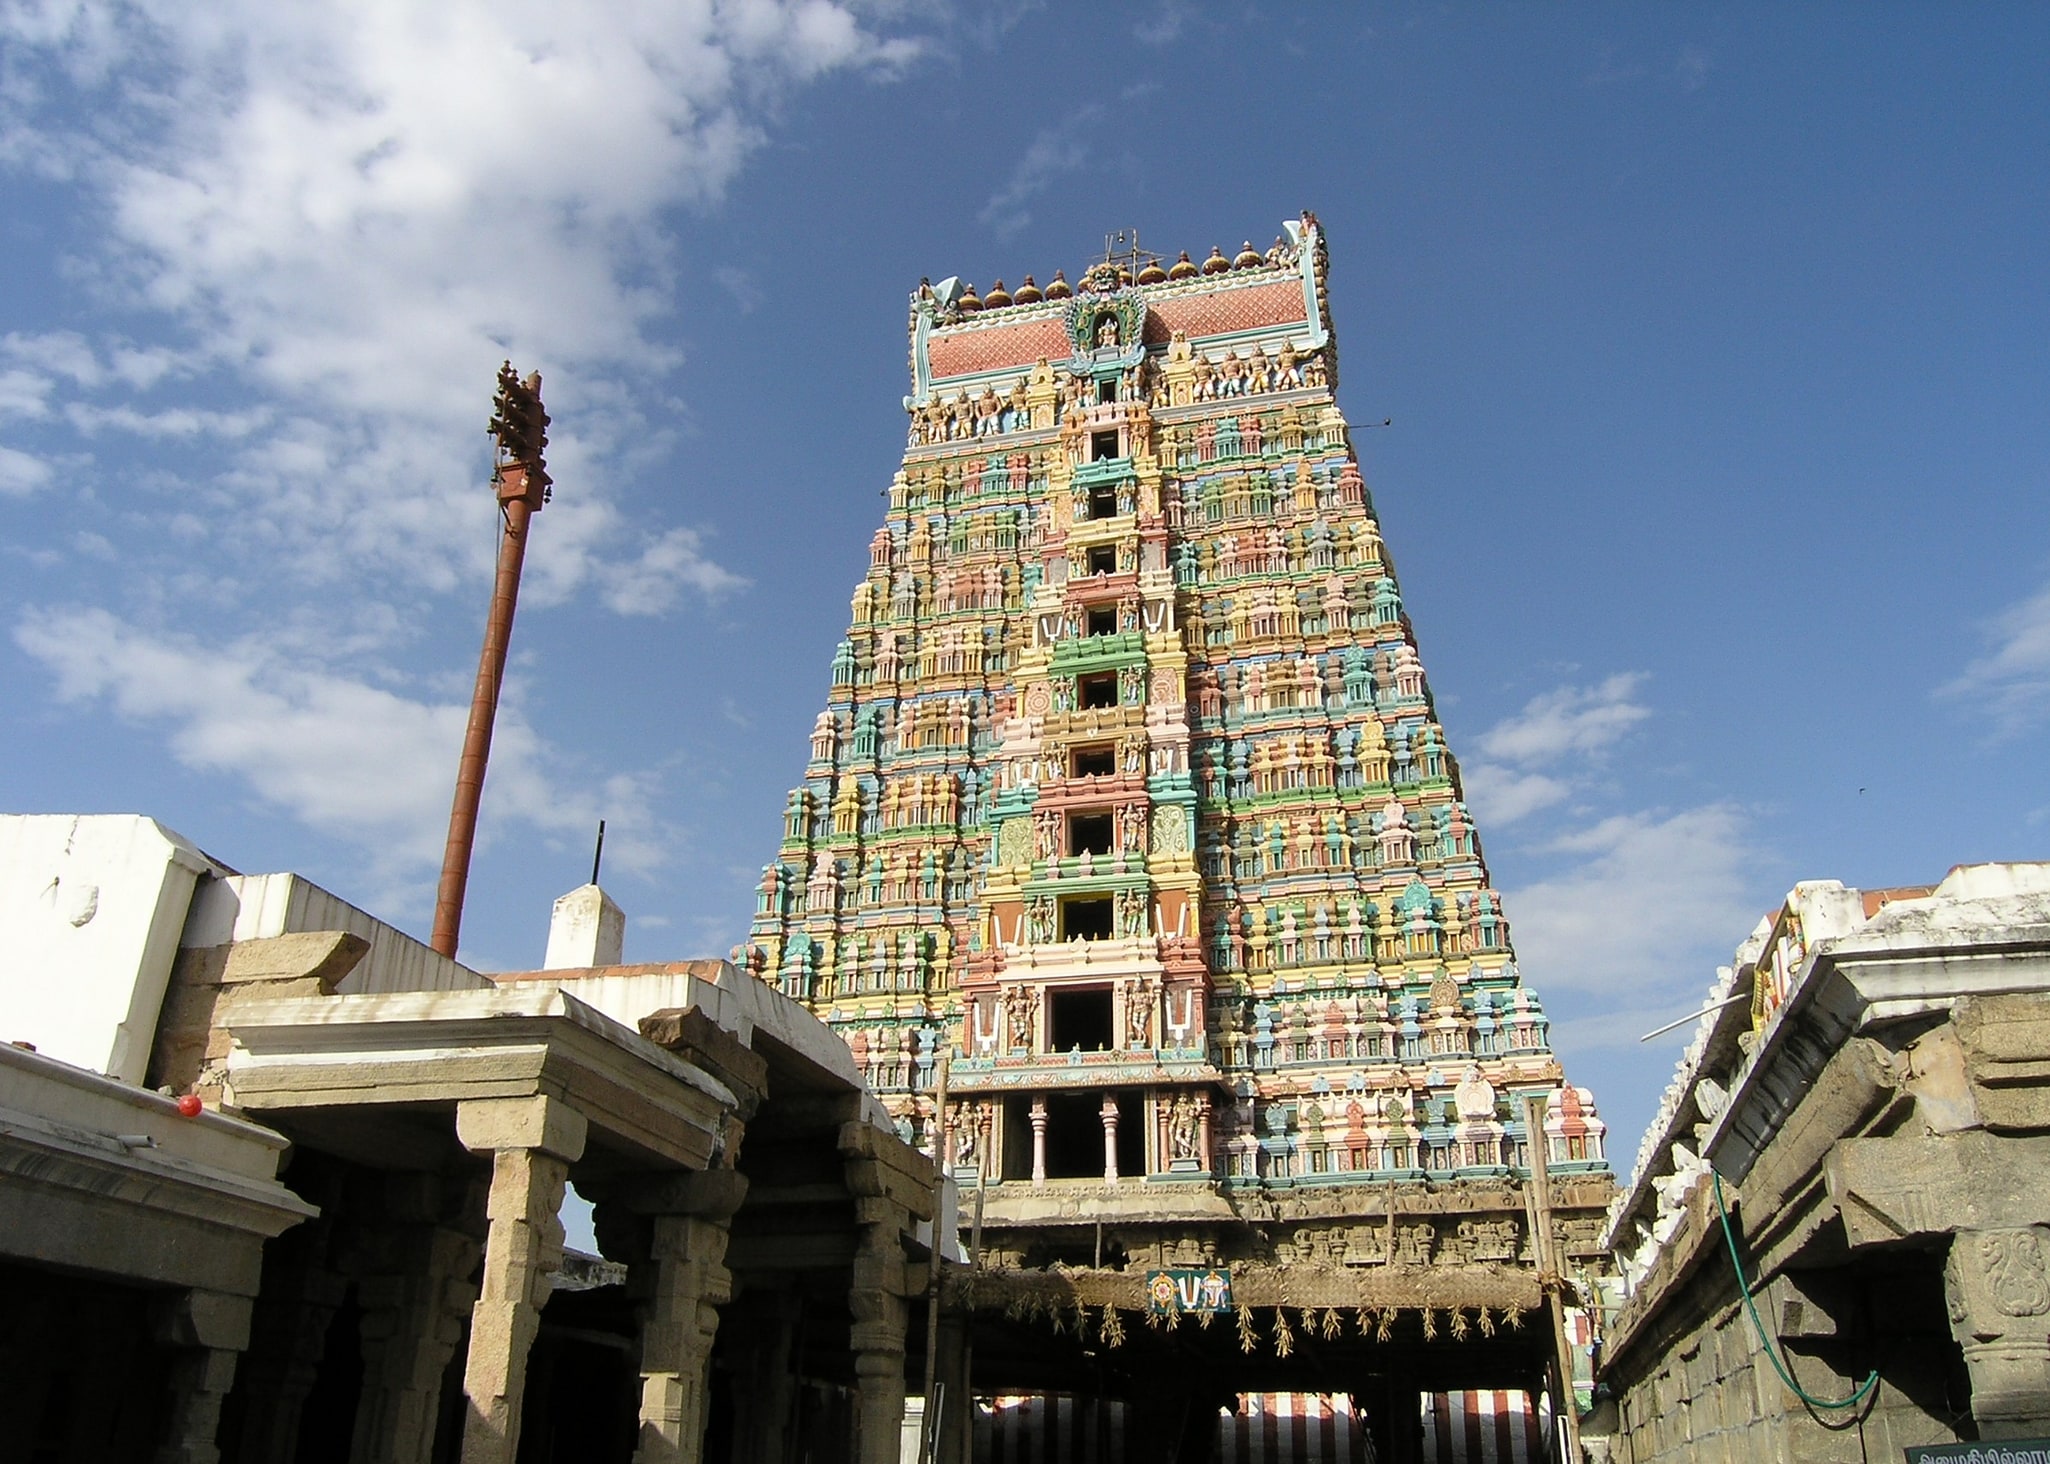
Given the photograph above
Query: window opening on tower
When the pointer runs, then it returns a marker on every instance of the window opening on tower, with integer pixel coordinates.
(1103, 559)
(1099, 692)
(1103, 501)
(1074, 1135)
(1082, 1019)
(1103, 446)
(1097, 760)
(1103, 621)
(1088, 833)
(1086, 917)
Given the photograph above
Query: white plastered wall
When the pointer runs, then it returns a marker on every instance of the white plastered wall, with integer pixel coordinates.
(91, 907)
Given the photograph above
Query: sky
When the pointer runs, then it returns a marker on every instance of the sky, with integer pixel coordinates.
(1710, 343)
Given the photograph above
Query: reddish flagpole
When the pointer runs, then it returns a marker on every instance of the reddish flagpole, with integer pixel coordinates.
(520, 424)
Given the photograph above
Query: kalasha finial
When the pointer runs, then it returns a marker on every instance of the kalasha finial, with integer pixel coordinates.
(520, 424)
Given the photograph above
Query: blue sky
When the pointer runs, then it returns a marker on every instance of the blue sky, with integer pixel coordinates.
(1713, 340)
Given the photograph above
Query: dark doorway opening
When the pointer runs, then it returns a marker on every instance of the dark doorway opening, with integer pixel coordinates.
(1088, 833)
(1086, 918)
(1103, 501)
(1098, 760)
(1074, 1135)
(1103, 559)
(1017, 1138)
(1103, 446)
(1099, 691)
(1082, 1019)
(1103, 622)
(1131, 1135)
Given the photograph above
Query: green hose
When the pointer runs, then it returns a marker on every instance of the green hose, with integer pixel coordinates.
(1772, 1352)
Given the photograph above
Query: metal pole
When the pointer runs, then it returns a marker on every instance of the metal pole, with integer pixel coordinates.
(462, 818)
(1566, 1407)
(519, 423)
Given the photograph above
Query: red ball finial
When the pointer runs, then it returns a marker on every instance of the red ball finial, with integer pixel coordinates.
(189, 1105)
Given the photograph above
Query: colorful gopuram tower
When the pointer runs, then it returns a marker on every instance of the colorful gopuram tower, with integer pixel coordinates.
(1129, 790)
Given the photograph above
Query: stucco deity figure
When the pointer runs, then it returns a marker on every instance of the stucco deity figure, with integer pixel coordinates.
(1107, 330)
(1181, 1128)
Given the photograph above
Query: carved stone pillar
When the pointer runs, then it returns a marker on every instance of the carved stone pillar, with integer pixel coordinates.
(876, 1176)
(671, 1230)
(759, 1338)
(417, 1252)
(532, 1142)
(1997, 1283)
(1039, 1139)
(1109, 1114)
(209, 1329)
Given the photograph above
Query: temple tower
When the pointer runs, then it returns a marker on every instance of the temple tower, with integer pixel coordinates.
(1129, 791)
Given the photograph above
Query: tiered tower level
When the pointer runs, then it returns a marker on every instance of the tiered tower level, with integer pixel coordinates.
(1129, 791)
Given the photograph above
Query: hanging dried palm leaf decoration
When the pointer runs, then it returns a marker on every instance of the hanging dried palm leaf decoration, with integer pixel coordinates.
(1514, 1315)
(1113, 1331)
(1459, 1326)
(1386, 1326)
(1081, 1321)
(1248, 1338)
(1487, 1323)
(1430, 1324)
(1284, 1339)
(1333, 1328)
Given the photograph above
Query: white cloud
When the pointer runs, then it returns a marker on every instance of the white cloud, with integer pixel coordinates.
(1164, 26)
(1569, 720)
(1534, 759)
(353, 211)
(354, 760)
(22, 473)
(1056, 151)
(1502, 795)
(1646, 903)
(2012, 679)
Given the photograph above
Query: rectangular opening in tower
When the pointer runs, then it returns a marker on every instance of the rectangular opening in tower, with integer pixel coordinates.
(1099, 692)
(1081, 1019)
(1103, 501)
(1017, 1120)
(1074, 1135)
(1103, 559)
(1096, 760)
(1086, 917)
(1103, 446)
(1088, 833)
(1107, 390)
(1103, 621)
(1131, 1135)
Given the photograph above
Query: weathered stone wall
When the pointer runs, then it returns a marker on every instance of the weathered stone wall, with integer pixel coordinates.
(1891, 1224)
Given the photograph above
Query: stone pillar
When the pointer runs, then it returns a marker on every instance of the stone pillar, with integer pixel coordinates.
(1109, 1113)
(419, 1251)
(209, 1329)
(881, 1317)
(1997, 1283)
(758, 1340)
(671, 1230)
(1039, 1139)
(532, 1142)
(953, 1392)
